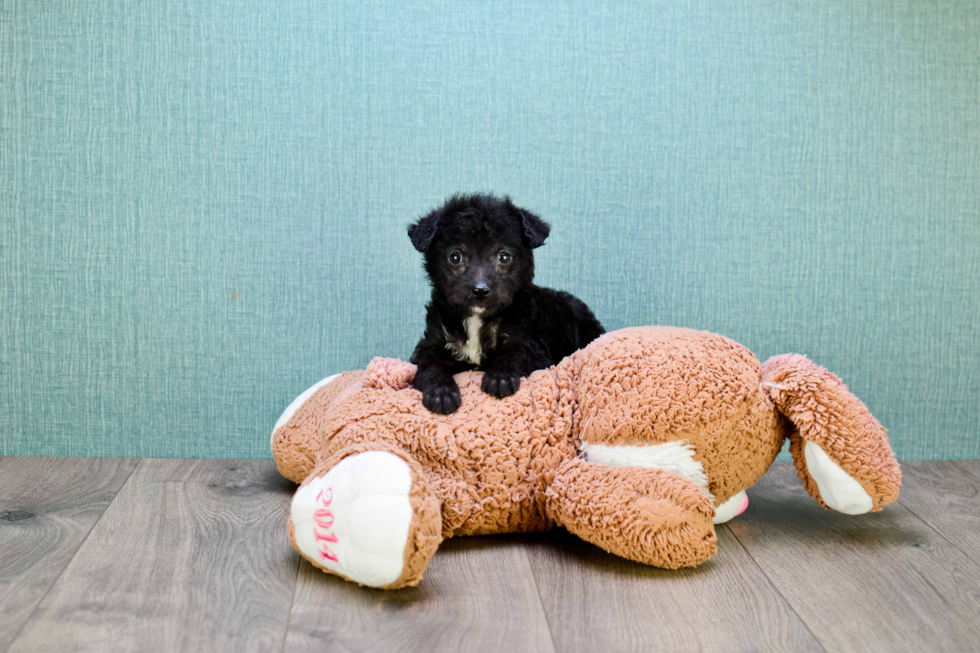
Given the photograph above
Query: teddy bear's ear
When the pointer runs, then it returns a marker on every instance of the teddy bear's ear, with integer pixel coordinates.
(535, 229)
(422, 232)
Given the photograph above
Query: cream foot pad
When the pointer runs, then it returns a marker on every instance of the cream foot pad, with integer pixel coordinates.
(837, 489)
(354, 520)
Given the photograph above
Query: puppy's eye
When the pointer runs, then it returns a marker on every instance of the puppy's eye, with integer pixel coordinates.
(503, 258)
(455, 258)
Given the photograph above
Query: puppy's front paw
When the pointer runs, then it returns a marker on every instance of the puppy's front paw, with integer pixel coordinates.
(500, 384)
(442, 399)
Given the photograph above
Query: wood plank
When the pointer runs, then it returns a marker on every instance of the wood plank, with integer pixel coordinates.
(596, 601)
(946, 495)
(191, 556)
(47, 508)
(478, 594)
(879, 582)
(969, 466)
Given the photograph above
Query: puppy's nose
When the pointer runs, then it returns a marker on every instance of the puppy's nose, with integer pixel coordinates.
(481, 290)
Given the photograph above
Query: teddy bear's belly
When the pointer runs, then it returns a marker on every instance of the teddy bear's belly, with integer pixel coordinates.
(507, 496)
(489, 469)
(490, 462)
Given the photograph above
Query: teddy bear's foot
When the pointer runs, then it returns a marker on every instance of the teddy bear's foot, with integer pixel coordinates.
(837, 489)
(731, 509)
(368, 517)
(296, 436)
(297, 402)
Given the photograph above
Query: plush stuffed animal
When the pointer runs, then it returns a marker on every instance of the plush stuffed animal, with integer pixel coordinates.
(638, 443)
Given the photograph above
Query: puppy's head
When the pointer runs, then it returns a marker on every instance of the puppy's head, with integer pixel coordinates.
(478, 251)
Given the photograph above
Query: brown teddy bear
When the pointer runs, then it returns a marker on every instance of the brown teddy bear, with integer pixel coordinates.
(638, 443)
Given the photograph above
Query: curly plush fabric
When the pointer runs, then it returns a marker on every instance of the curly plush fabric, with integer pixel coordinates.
(682, 421)
(486, 462)
(647, 515)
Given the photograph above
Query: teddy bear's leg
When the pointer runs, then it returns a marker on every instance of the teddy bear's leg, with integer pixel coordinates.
(841, 452)
(367, 514)
(296, 435)
(644, 514)
(296, 403)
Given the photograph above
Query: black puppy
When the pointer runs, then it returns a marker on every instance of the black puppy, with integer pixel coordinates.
(486, 313)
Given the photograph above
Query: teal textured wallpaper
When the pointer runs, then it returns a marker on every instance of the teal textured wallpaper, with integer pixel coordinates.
(204, 203)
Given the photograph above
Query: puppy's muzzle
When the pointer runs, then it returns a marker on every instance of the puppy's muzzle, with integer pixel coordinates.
(481, 290)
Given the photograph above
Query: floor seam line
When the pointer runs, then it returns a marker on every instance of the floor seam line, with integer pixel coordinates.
(537, 590)
(776, 589)
(292, 602)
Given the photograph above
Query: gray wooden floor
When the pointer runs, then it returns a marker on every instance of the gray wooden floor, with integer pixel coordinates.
(191, 555)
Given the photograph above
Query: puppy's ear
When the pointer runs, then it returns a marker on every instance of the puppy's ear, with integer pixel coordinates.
(422, 232)
(535, 229)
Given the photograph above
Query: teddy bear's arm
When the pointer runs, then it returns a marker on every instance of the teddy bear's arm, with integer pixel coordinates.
(644, 514)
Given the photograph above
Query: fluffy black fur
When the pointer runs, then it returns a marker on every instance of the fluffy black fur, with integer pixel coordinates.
(486, 313)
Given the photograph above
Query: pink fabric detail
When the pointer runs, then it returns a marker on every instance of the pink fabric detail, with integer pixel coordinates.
(329, 537)
(324, 519)
(327, 554)
(745, 504)
(325, 501)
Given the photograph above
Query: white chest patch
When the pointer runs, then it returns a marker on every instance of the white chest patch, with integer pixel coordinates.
(469, 351)
(674, 457)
